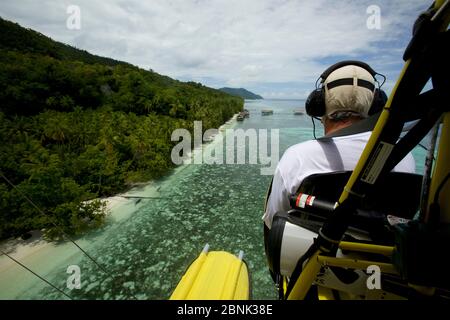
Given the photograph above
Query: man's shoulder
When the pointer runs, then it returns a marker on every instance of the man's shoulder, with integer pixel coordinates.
(296, 155)
(302, 147)
(311, 144)
(302, 152)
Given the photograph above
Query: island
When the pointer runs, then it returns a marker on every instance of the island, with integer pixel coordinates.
(242, 93)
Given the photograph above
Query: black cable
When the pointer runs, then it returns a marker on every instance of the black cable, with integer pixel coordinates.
(42, 278)
(317, 82)
(384, 79)
(52, 222)
(426, 149)
(62, 231)
(314, 128)
(423, 147)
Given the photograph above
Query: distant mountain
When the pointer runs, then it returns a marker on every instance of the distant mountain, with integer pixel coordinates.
(241, 92)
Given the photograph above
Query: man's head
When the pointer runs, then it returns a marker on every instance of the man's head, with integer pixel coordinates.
(349, 98)
(346, 104)
(348, 93)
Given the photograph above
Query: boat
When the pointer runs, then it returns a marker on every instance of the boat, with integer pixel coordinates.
(298, 112)
(246, 113)
(240, 117)
(267, 112)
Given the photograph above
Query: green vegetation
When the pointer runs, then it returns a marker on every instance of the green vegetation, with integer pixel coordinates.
(242, 93)
(76, 127)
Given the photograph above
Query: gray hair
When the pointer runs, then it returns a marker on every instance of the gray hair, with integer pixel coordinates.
(343, 115)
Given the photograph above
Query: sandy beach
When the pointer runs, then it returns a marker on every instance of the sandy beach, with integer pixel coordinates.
(43, 256)
(19, 248)
(39, 255)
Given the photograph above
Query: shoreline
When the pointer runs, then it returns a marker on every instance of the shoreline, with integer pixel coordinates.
(25, 250)
(29, 251)
(47, 257)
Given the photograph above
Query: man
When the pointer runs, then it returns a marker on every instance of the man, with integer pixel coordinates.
(347, 95)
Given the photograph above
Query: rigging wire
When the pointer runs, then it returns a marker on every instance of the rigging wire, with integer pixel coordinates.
(62, 231)
(54, 224)
(37, 275)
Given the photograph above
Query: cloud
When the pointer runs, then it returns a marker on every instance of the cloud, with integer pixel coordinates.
(257, 44)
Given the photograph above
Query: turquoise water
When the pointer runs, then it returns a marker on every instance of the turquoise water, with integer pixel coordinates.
(147, 252)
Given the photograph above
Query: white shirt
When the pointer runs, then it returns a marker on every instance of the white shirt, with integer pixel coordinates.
(315, 156)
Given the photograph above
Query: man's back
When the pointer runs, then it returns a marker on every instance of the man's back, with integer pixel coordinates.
(347, 94)
(316, 156)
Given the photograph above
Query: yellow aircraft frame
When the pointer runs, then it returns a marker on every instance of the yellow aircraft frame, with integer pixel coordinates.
(441, 169)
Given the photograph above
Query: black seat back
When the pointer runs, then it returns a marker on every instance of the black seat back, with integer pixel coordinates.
(398, 194)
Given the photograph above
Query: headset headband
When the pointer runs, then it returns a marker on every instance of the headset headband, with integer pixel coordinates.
(315, 104)
(341, 64)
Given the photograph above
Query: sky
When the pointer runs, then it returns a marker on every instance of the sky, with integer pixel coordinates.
(275, 48)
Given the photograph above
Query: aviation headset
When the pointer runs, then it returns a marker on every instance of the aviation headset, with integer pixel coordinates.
(315, 103)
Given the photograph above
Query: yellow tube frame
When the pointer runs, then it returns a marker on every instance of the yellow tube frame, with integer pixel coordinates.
(317, 261)
(355, 264)
(368, 248)
(312, 267)
(314, 264)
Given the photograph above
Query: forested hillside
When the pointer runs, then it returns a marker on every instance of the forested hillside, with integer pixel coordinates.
(75, 127)
(242, 93)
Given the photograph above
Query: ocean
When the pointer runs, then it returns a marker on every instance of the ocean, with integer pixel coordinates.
(147, 244)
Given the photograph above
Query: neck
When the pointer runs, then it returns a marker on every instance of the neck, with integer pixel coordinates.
(331, 126)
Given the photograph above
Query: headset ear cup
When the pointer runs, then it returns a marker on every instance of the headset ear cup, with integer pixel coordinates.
(379, 101)
(315, 103)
